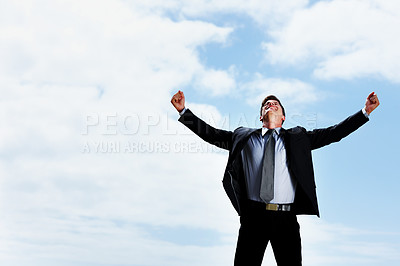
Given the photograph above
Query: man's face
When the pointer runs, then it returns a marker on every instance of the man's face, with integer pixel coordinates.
(272, 107)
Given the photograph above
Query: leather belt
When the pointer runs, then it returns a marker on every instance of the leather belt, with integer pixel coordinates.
(277, 207)
(251, 205)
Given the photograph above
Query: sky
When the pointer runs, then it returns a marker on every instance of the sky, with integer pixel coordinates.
(95, 169)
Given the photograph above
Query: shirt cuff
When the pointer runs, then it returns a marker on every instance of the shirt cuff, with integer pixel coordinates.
(183, 111)
(364, 112)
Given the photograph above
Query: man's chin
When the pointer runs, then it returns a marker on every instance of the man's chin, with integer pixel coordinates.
(268, 116)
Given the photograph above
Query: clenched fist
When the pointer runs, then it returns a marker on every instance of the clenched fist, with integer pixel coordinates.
(371, 103)
(178, 101)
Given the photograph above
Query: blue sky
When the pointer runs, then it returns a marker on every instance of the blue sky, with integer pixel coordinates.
(96, 170)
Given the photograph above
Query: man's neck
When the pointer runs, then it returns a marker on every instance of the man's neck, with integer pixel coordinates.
(271, 120)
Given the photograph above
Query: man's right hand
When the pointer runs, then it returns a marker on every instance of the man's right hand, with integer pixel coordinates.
(178, 101)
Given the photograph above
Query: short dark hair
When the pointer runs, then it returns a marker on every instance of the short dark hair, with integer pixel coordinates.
(272, 97)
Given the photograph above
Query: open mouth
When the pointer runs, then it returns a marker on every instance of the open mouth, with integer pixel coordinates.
(273, 108)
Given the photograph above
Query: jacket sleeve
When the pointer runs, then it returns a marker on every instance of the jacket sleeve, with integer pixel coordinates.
(218, 137)
(321, 137)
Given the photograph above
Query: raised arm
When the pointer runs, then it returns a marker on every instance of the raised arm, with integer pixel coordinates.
(218, 137)
(321, 137)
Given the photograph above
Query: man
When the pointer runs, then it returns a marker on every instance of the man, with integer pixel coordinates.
(269, 176)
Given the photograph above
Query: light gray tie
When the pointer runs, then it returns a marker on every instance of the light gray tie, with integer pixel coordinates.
(267, 178)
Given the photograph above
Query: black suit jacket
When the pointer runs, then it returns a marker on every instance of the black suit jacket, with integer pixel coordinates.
(298, 142)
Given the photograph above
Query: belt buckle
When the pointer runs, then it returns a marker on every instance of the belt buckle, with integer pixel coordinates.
(271, 207)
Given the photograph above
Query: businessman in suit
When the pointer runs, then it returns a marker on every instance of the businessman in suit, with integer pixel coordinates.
(269, 177)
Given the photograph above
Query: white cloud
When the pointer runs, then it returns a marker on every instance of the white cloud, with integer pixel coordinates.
(99, 43)
(289, 91)
(264, 12)
(63, 63)
(345, 39)
(216, 82)
(336, 244)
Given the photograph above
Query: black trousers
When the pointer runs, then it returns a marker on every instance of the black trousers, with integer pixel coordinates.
(258, 227)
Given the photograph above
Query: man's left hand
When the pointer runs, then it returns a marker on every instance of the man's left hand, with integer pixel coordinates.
(371, 103)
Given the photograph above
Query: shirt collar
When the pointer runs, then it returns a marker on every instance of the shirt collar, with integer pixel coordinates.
(265, 130)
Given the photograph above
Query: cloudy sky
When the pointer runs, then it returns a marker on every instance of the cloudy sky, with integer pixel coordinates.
(96, 170)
